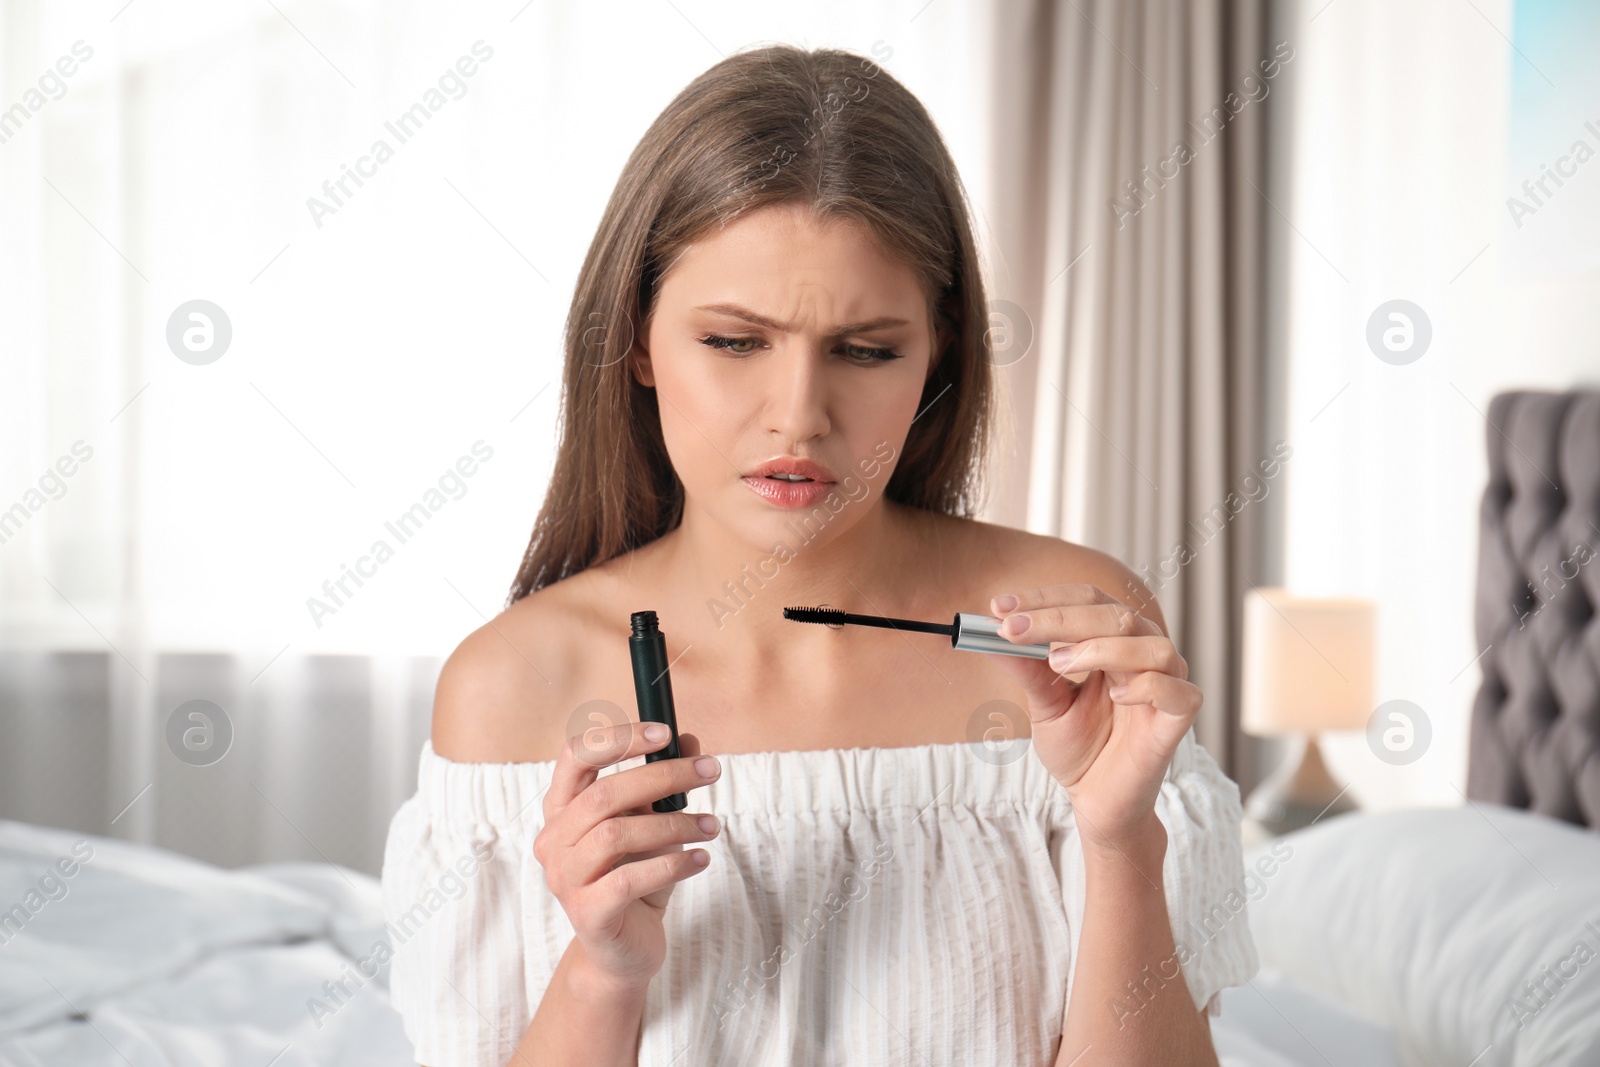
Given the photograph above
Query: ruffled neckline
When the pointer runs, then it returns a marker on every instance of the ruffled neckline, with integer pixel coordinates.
(773, 784)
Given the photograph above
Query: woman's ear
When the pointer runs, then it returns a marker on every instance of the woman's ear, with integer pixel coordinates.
(941, 341)
(639, 364)
(944, 331)
(639, 356)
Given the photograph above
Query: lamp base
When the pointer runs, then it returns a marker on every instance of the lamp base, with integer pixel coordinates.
(1298, 793)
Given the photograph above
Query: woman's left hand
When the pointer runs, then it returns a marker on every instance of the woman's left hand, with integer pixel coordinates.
(1109, 738)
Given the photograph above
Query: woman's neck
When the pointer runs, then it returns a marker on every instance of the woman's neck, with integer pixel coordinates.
(728, 594)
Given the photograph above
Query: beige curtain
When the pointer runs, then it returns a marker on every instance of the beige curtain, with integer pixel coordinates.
(1127, 219)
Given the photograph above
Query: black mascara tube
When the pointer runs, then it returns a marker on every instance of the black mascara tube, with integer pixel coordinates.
(652, 687)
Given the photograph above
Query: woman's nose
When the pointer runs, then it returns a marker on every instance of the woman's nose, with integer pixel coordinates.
(798, 398)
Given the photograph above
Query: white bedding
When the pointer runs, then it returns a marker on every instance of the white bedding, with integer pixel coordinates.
(175, 962)
(1474, 932)
(145, 957)
(1272, 1021)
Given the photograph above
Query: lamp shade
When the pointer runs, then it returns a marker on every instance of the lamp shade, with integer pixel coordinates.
(1308, 663)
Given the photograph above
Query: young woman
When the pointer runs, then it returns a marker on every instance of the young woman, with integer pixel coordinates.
(777, 393)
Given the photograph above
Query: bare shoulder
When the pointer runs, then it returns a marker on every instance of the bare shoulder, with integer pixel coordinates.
(1019, 559)
(499, 693)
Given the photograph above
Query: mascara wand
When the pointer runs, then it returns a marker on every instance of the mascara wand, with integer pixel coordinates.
(968, 632)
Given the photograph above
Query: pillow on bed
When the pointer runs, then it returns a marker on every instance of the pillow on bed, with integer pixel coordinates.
(1473, 932)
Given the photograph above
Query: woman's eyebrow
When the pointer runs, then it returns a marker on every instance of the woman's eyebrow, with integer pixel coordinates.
(761, 320)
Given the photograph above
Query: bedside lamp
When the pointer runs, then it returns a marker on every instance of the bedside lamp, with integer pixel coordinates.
(1308, 667)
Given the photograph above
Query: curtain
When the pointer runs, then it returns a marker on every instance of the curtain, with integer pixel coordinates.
(308, 761)
(186, 543)
(1130, 242)
(182, 537)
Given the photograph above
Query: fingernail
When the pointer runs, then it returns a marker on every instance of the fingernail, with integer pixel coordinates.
(1063, 657)
(699, 857)
(656, 732)
(1119, 691)
(1017, 625)
(707, 824)
(706, 766)
(1005, 603)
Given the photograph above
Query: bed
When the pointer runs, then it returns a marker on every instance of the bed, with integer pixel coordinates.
(1471, 935)
(115, 953)
(275, 964)
(1467, 937)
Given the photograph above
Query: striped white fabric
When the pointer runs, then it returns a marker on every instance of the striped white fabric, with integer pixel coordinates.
(862, 906)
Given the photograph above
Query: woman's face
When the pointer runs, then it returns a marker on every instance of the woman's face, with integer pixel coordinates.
(774, 337)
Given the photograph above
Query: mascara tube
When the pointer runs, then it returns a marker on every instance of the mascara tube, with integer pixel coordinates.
(652, 687)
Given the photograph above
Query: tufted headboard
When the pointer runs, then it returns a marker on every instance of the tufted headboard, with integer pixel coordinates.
(1535, 739)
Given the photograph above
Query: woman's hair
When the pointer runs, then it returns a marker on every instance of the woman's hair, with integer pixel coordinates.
(777, 125)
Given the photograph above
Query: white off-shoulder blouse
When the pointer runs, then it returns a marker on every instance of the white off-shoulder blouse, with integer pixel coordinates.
(862, 906)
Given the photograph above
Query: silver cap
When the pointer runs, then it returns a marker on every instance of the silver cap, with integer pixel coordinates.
(981, 633)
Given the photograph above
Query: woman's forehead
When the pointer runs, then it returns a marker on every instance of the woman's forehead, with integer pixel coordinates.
(792, 270)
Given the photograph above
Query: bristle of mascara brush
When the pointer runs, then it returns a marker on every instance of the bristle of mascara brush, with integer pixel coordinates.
(823, 615)
(834, 617)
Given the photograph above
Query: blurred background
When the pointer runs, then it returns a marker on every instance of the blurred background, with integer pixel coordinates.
(243, 344)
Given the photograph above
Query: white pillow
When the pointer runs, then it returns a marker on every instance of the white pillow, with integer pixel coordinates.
(1473, 932)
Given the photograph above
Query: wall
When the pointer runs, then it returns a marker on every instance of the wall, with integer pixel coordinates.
(1397, 151)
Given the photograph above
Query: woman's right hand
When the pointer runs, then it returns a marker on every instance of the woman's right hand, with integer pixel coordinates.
(608, 857)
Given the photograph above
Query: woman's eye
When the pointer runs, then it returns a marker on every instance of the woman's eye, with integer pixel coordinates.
(728, 342)
(872, 355)
(858, 354)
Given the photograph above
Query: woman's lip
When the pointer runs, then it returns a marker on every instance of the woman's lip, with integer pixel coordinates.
(788, 495)
(808, 468)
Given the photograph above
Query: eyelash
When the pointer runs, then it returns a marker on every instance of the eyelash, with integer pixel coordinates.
(877, 355)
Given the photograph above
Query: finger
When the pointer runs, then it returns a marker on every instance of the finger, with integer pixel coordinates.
(1069, 594)
(1032, 599)
(636, 788)
(614, 892)
(1171, 696)
(1075, 622)
(585, 754)
(1175, 704)
(631, 838)
(688, 746)
(1038, 596)
(1119, 655)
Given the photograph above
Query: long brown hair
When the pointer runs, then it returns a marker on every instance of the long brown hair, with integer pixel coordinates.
(774, 125)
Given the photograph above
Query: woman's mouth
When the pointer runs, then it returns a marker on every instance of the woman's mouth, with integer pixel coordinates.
(788, 491)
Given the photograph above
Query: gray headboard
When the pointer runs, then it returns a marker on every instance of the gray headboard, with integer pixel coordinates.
(1536, 720)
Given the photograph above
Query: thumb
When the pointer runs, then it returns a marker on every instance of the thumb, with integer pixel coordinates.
(1049, 693)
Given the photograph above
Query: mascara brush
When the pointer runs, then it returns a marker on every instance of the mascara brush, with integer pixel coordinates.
(968, 632)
